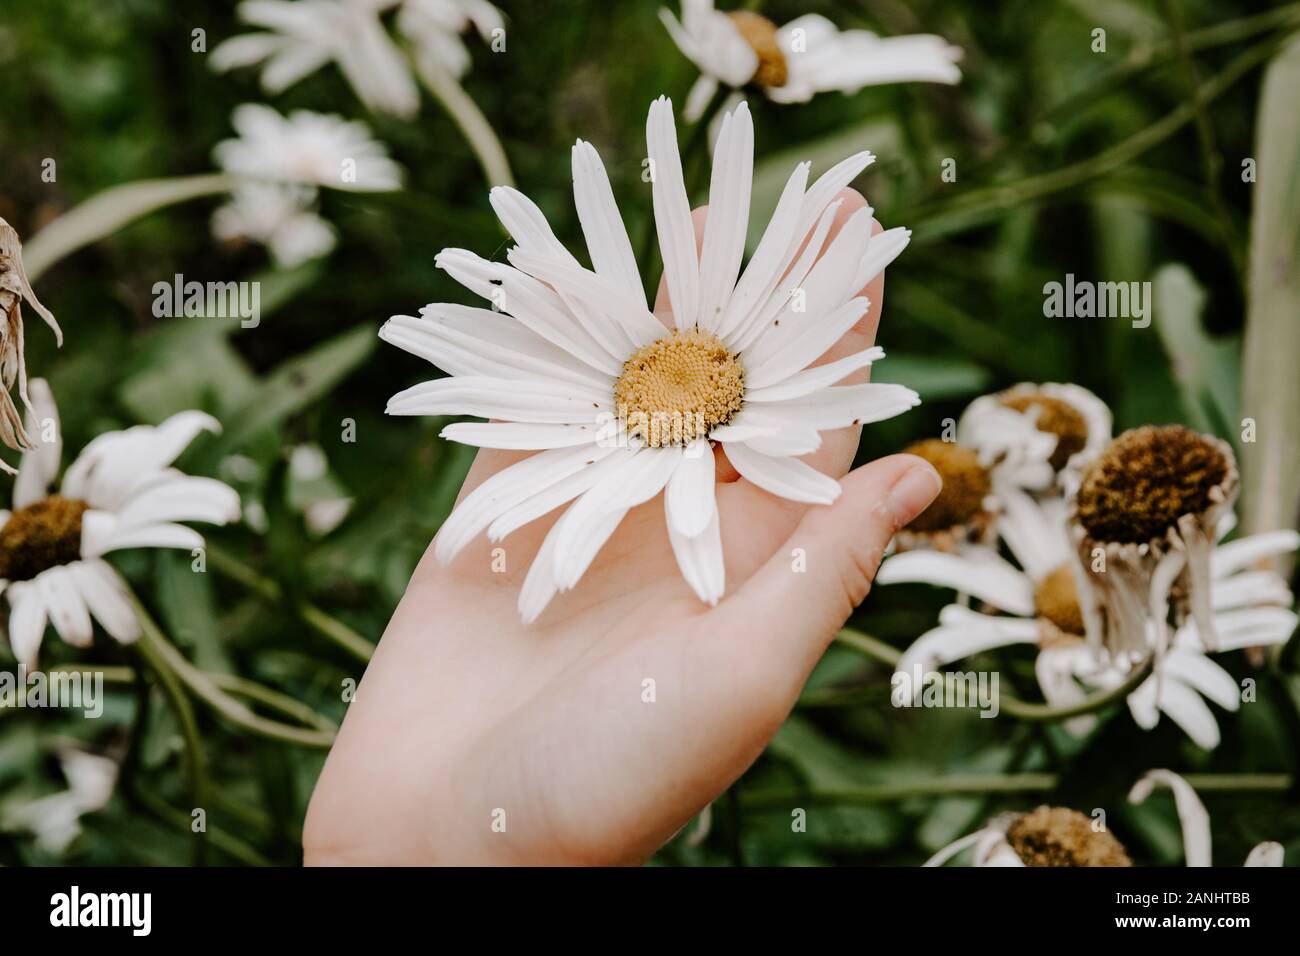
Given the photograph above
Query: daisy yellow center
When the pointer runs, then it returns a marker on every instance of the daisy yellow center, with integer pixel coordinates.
(43, 535)
(1057, 599)
(677, 389)
(1056, 836)
(1146, 479)
(1057, 418)
(761, 35)
(965, 485)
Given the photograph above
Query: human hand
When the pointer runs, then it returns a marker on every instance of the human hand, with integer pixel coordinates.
(475, 739)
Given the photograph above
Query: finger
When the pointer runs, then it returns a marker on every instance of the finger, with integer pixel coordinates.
(791, 608)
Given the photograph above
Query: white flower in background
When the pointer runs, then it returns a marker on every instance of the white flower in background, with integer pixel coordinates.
(806, 56)
(1038, 436)
(304, 35)
(1046, 836)
(306, 148)
(280, 217)
(119, 493)
(435, 29)
(55, 820)
(575, 365)
(1250, 607)
(1195, 820)
(1143, 523)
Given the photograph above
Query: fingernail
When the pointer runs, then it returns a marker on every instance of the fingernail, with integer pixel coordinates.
(913, 491)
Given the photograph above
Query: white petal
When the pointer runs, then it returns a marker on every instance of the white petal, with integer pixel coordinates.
(816, 378)
(26, 622)
(520, 436)
(785, 477)
(1266, 854)
(689, 498)
(672, 211)
(1191, 812)
(507, 488)
(1034, 532)
(771, 256)
(107, 599)
(943, 645)
(699, 557)
(728, 220)
(602, 224)
(559, 493)
(1186, 708)
(532, 400)
(881, 251)
(527, 224)
(65, 606)
(981, 573)
(823, 192)
(836, 407)
(1203, 675)
(1244, 552)
(40, 465)
(782, 351)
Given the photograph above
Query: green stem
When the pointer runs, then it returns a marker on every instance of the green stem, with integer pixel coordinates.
(478, 132)
(232, 846)
(319, 621)
(975, 206)
(195, 759)
(1211, 159)
(974, 784)
(206, 689)
(1024, 710)
(105, 213)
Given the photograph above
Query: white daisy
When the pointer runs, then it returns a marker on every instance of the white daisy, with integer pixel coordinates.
(435, 29)
(279, 216)
(1195, 820)
(575, 364)
(55, 820)
(1038, 435)
(1045, 836)
(119, 493)
(1250, 608)
(306, 148)
(1143, 523)
(305, 35)
(806, 56)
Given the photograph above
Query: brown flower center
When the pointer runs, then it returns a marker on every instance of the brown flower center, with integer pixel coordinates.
(1056, 836)
(1057, 599)
(965, 485)
(760, 33)
(1058, 418)
(677, 389)
(43, 535)
(1146, 479)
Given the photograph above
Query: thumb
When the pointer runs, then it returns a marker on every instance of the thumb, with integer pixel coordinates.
(801, 597)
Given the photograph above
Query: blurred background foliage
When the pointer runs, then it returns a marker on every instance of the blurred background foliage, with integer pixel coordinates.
(1105, 165)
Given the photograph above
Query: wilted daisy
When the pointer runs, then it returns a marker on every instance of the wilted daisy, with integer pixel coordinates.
(806, 56)
(1143, 523)
(304, 35)
(1195, 820)
(967, 506)
(279, 216)
(305, 148)
(1046, 836)
(14, 288)
(55, 820)
(436, 28)
(119, 493)
(1038, 435)
(1250, 608)
(577, 366)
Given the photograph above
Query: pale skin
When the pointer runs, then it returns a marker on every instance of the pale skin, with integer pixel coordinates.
(466, 718)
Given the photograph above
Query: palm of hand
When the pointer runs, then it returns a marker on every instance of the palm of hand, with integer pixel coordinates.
(597, 732)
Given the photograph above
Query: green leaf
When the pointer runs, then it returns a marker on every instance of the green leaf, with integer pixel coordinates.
(1207, 371)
